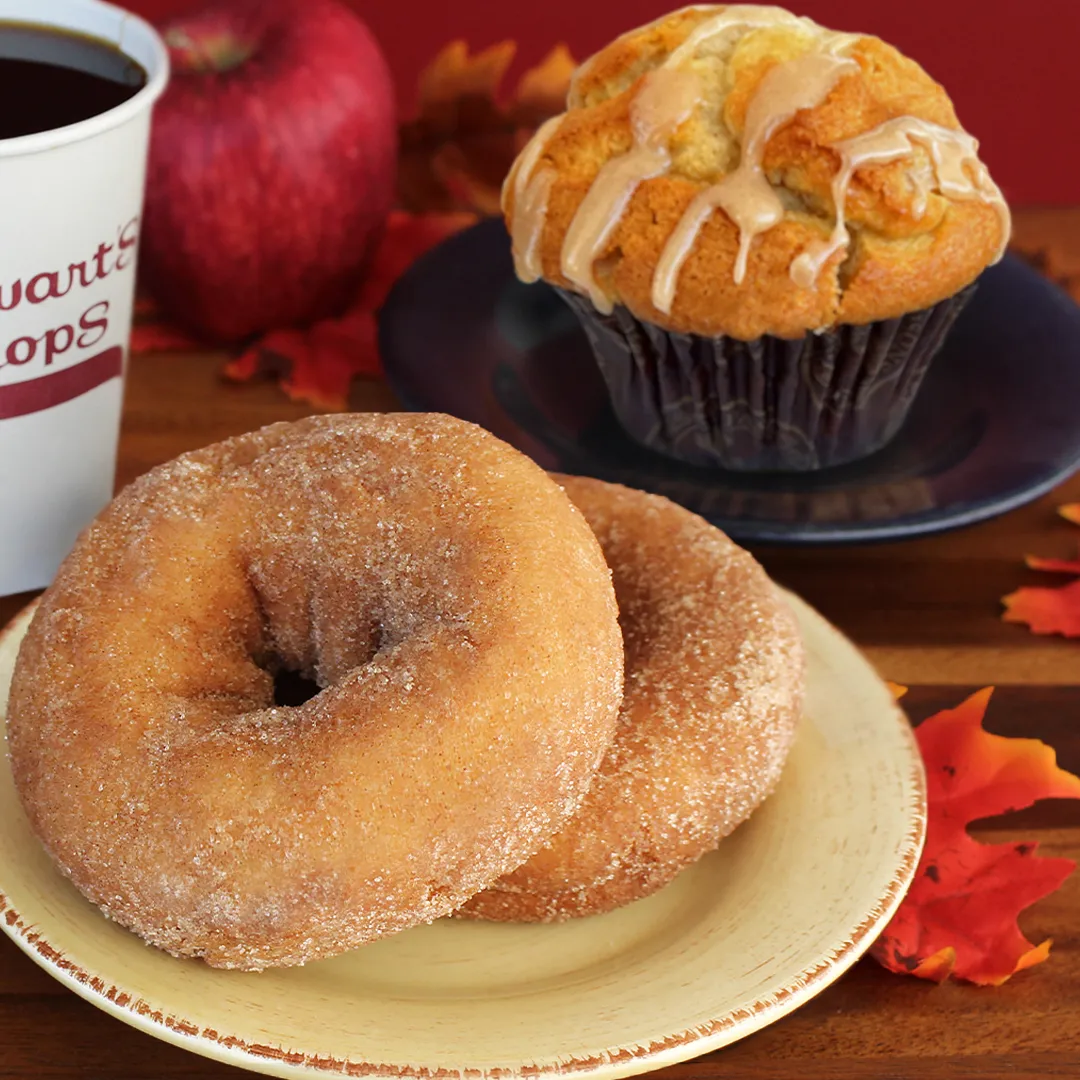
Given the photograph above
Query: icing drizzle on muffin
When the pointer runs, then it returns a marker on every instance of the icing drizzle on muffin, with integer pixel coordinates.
(746, 195)
(957, 171)
(666, 96)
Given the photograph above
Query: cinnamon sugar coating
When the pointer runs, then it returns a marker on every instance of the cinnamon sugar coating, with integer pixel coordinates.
(441, 589)
(713, 692)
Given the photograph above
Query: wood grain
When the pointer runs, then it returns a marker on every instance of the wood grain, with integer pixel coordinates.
(926, 611)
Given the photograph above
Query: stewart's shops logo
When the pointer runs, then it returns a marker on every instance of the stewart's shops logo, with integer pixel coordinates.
(61, 355)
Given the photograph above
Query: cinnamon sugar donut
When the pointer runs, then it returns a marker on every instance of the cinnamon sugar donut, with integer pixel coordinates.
(450, 601)
(714, 674)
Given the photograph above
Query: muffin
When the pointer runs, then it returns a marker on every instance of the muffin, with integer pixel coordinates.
(766, 228)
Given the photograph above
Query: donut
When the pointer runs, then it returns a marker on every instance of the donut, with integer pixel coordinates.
(452, 605)
(713, 693)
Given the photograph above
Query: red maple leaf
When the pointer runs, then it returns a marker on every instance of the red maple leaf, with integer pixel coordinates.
(1049, 610)
(318, 363)
(959, 917)
(152, 332)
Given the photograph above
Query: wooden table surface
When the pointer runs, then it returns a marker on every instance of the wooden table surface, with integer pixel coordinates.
(927, 614)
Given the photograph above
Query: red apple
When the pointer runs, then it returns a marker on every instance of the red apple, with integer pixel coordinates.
(271, 166)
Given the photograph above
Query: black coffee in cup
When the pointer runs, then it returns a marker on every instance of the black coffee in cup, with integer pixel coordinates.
(50, 78)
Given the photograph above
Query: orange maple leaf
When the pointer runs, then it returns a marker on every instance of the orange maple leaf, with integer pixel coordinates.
(318, 363)
(1046, 611)
(1049, 610)
(454, 79)
(541, 91)
(959, 917)
(459, 147)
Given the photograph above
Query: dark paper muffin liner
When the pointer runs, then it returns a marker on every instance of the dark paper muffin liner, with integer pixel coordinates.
(768, 404)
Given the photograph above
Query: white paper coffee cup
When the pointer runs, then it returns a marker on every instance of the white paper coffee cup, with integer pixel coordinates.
(70, 204)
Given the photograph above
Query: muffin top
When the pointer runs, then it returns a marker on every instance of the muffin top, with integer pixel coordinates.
(736, 169)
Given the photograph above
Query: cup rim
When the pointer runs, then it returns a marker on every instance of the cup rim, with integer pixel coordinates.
(142, 100)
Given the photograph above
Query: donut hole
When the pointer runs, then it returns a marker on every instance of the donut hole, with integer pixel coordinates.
(292, 688)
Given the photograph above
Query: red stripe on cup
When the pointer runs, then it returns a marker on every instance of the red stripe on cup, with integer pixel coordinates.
(32, 396)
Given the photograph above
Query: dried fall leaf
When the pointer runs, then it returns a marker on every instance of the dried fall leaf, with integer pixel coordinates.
(162, 336)
(541, 91)
(1046, 611)
(152, 332)
(406, 238)
(959, 916)
(1055, 566)
(1049, 610)
(1048, 263)
(317, 364)
(937, 967)
(463, 183)
(455, 79)
(459, 147)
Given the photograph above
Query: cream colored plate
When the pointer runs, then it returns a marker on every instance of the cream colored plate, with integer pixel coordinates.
(751, 932)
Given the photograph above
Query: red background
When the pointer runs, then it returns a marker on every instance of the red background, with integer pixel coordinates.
(1012, 68)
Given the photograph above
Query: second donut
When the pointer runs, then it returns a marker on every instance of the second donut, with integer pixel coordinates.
(713, 691)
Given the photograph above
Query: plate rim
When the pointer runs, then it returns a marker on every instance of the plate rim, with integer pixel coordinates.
(916, 526)
(611, 1063)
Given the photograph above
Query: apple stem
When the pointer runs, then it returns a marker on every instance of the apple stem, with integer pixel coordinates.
(217, 53)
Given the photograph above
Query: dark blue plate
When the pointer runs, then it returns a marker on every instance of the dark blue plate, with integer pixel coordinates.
(996, 423)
